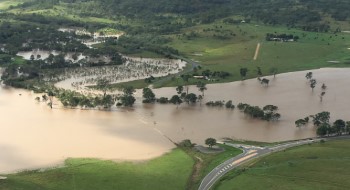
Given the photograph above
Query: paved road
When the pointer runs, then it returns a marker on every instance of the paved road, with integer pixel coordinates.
(249, 153)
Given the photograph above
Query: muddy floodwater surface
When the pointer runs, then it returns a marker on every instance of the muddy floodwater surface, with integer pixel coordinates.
(33, 136)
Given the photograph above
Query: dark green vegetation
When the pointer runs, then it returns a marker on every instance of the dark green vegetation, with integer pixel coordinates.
(171, 171)
(324, 126)
(268, 112)
(221, 35)
(316, 166)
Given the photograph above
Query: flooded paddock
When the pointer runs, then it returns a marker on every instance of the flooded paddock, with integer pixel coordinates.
(34, 136)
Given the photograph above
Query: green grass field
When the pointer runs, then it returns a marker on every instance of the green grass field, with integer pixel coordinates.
(170, 171)
(317, 166)
(312, 51)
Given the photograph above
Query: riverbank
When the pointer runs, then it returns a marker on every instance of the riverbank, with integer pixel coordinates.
(92, 133)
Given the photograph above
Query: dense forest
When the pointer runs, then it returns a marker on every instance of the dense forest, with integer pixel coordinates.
(306, 14)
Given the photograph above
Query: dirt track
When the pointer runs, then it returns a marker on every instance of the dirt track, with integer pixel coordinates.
(257, 52)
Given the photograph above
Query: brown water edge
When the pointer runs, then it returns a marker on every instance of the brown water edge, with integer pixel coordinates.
(289, 91)
(34, 136)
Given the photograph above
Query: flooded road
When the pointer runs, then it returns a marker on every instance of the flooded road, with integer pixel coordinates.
(34, 136)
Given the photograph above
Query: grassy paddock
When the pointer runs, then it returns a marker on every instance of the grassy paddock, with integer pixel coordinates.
(317, 166)
(312, 51)
(170, 171)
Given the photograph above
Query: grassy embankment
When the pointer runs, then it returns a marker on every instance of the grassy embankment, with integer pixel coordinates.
(317, 166)
(171, 171)
(175, 170)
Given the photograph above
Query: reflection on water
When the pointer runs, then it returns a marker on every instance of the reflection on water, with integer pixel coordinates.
(32, 135)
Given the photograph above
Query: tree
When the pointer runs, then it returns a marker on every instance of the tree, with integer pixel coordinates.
(229, 105)
(201, 87)
(347, 127)
(75, 57)
(148, 95)
(323, 129)
(321, 118)
(102, 84)
(313, 83)
(308, 76)
(265, 82)
(300, 122)
(339, 126)
(176, 100)
(127, 99)
(273, 71)
(210, 142)
(191, 98)
(259, 72)
(107, 101)
(323, 87)
(243, 72)
(200, 98)
(179, 89)
(321, 96)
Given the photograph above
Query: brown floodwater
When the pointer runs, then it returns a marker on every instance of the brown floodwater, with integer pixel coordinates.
(34, 136)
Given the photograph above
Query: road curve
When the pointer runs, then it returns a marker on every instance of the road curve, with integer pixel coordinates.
(249, 153)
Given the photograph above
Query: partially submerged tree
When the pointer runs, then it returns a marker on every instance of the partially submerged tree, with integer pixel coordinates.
(321, 96)
(265, 82)
(308, 76)
(201, 87)
(148, 95)
(321, 118)
(179, 89)
(176, 100)
(210, 142)
(313, 83)
(127, 99)
(191, 98)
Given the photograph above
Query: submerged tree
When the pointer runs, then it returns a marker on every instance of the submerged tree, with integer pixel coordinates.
(321, 118)
(127, 99)
(148, 95)
(313, 83)
(321, 96)
(201, 87)
(210, 142)
(191, 98)
(308, 76)
(265, 82)
(179, 89)
(176, 100)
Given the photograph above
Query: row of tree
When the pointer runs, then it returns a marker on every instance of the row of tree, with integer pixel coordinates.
(268, 112)
(324, 126)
